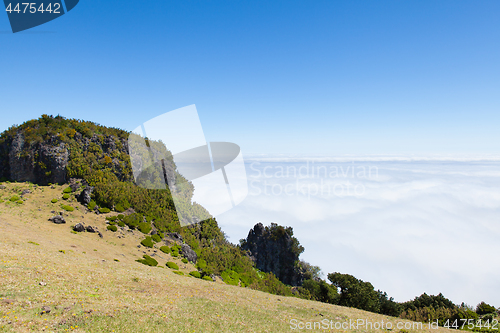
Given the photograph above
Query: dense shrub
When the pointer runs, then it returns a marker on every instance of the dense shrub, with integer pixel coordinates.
(19, 202)
(483, 308)
(91, 205)
(145, 227)
(53, 200)
(14, 198)
(121, 224)
(104, 210)
(184, 260)
(230, 277)
(119, 208)
(319, 291)
(354, 292)
(270, 284)
(207, 278)
(178, 273)
(172, 265)
(67, 190)
(175, 250)
(111, 218)
(196, 274)
(112, 228)
(156, 238)
(147, 260)
(433, 301)
(165, 249)
(65, 196)
(133, 220)
(147, 242)
(67, 208)
(121, 216)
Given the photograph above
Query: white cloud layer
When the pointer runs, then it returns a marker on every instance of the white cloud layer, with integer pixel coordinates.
(428, 225)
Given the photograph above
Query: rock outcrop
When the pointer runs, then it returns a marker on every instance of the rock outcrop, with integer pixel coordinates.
(188, 253)
(85, 197)
(45, 160)
(58, 219)
(274, 249)
(79, 227)
(37, 162)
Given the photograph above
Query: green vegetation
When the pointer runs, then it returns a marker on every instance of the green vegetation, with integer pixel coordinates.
(34, 243)
(156, 238)
(119, 208)
(231, 277)
(67, 208)
(178, 273)
(184, 260)
(65, 196)
(104, 210)
(175, 250)
(207, 278)
(147, 260)
(67, 190)
(54, 200)
(91, 205)
(15, 198)
(147, 242)
(165, 249)
(172, 265)
(144, 227)
(112, 228)
(196, 274)
(483, 309)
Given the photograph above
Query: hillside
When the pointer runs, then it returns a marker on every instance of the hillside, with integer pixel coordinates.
(94, 284)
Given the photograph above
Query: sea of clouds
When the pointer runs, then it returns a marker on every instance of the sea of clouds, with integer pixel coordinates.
(407, 224)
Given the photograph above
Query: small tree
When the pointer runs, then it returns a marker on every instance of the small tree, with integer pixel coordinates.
(483, 308)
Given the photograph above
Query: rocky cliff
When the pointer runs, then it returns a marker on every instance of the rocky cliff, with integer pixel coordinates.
(50, 150)
(274, 249)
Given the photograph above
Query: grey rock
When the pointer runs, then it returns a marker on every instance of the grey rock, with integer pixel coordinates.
(79, 227)
(73, 185)
(25, 192)
(90, 229)
(273, 249)
(188, 253)
(2, 187)
(99, 233)
(176, 236)
(58, 219)
(84, 197)
(45, 309)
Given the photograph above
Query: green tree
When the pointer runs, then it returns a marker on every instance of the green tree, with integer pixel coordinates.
(355, 293)
(483, 308)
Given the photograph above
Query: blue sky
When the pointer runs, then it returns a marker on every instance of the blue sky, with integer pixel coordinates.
(276, 77)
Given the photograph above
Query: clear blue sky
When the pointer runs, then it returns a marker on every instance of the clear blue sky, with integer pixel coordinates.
(291, 77)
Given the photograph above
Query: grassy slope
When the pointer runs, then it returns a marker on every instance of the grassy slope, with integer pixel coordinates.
(88, 291)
